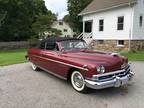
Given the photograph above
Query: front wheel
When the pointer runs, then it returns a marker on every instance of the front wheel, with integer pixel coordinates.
(78, 82)
(34, 67)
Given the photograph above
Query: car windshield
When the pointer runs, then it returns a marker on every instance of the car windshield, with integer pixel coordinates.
(74, 44)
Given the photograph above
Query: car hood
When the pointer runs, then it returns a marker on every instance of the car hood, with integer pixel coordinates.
(111, 61)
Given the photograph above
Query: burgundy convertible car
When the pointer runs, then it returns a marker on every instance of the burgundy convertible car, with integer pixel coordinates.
(71, 59)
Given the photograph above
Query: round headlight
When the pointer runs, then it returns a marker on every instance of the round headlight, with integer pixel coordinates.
(101, 69)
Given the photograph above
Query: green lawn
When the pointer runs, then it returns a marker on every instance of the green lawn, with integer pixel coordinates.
(137, 56)
(8, 57)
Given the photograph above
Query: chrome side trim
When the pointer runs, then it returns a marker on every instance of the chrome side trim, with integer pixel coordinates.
(60, 62)
(52, 73)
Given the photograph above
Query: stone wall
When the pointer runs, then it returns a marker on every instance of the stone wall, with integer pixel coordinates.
(106, 45)
(137, 45)
(111, 45)
(15, 45)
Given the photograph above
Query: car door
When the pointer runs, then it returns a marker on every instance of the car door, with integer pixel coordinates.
(50, 58)
(35, 54)
(55, 62)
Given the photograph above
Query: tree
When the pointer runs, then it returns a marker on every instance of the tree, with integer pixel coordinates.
(18, 18)
(68, 19)
(2, 17)
(43, 24)
(74, 8)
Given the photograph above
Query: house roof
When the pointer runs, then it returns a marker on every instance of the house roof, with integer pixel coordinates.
(101, 5)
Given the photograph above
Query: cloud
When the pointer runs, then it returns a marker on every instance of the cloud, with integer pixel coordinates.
(61, 15)
(57, 6)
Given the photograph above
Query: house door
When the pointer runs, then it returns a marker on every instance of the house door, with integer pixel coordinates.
(88, 27)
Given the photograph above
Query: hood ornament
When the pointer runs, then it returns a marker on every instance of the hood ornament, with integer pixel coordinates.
(115, 54)
(85, 66)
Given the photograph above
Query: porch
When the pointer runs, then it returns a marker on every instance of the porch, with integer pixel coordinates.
(87, 33)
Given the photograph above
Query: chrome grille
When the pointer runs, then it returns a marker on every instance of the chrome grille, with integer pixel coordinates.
(112, 76)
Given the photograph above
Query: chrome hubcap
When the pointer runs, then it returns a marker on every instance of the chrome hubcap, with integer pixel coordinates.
(33, 66)
(78, 80)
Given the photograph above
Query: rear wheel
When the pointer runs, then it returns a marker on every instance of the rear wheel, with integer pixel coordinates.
(34, 67)
(78, 82)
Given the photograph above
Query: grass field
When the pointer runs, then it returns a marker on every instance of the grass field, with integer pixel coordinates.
(8, 57)
(134, 56)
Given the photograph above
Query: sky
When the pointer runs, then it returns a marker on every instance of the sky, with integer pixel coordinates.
(57, 6)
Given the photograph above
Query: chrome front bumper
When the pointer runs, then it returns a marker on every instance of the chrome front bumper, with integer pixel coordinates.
(115, 81)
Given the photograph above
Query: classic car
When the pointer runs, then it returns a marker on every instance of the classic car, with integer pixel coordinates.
(71, 59)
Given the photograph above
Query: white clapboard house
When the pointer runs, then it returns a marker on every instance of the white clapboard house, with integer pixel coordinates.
(114, 24)
(64, 27)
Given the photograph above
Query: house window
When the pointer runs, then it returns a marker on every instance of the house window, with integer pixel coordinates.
(120, 25)
(60, 23)
(100, 41)
(65, 30)
(101, 25)
(120, 43)
(140, 21)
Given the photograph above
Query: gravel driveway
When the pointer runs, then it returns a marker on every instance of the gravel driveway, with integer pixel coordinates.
(21, 87)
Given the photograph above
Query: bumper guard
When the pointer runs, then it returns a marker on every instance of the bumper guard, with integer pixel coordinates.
(116, 81)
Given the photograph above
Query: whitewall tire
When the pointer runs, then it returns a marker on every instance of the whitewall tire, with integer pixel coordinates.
(78, 82)
(34, 67)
